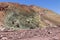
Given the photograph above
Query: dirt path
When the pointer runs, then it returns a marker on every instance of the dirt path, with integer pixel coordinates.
(36, 34)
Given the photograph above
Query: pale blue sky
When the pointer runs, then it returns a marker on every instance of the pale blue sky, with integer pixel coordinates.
(50, 4)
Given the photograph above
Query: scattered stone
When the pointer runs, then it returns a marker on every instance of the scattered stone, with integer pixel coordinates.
(4, 38)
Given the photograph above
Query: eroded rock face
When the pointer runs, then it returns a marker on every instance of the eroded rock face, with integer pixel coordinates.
(17, 16)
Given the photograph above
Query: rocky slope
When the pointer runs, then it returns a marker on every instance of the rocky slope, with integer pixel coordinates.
(18, 16)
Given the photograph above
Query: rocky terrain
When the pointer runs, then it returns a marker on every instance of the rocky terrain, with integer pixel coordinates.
(22, 22)
(35, 34)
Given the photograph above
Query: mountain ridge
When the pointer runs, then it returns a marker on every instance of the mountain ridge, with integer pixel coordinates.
(21, 16)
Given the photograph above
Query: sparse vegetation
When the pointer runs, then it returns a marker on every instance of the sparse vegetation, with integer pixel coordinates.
(22, 20)
(27, 17)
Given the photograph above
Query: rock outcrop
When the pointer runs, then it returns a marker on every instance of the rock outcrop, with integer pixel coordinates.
(18, 16)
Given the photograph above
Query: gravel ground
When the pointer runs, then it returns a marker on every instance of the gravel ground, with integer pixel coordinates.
(34, 34)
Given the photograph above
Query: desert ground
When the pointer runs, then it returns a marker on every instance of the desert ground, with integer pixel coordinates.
(32, 34)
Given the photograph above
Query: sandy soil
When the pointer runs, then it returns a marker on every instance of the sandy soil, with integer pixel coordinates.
(35, 34)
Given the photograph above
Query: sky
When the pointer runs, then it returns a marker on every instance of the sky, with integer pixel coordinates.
(53, 5)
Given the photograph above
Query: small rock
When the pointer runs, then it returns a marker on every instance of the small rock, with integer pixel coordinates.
(4, 38)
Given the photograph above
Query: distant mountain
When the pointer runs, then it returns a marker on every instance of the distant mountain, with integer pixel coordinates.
(19, 16)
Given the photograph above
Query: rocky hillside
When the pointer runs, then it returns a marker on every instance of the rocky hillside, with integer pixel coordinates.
(18, 16)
